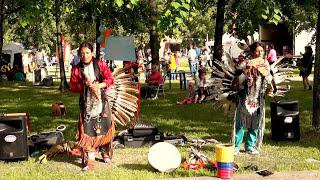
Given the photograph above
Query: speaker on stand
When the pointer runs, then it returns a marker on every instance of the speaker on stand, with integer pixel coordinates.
(285, 125)
(13, 137)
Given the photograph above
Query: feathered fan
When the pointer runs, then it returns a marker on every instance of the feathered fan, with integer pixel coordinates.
(122, 96)
(226, 77)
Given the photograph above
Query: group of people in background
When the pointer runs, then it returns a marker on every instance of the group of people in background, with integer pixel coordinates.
(197, 58)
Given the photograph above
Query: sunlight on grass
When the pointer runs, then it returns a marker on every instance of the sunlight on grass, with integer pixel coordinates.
(196, 121)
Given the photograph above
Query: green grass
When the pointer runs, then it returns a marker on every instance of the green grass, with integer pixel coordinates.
(197, 121)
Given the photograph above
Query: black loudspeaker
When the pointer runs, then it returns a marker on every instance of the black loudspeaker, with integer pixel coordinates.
(285, 125)
(13, 138)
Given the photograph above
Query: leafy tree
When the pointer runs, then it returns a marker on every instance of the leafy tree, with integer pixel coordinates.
(50, 11)
(177, 18)
(9, 8)
(246, 16)
(300, 15)
(199, 23)
(35, 34)
(36, 19)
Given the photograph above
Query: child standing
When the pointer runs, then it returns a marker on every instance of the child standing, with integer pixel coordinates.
(172, 66)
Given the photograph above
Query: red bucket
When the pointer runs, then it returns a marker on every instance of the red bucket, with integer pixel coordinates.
(225, 174)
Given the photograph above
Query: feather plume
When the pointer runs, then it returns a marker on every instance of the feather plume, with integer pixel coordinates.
(122, 96)
(122, 70)
(117, 120)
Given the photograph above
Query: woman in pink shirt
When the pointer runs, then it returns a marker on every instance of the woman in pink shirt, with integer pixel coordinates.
(272, 55)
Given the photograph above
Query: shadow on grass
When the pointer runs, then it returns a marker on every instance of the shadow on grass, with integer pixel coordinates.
(180, 172)
(196, 120)
(70, 159)
(193, 173)
(138, 167)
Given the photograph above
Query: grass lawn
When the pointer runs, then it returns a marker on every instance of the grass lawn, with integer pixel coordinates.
(197, 121)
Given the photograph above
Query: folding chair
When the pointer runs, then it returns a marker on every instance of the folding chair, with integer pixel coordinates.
(161, 87)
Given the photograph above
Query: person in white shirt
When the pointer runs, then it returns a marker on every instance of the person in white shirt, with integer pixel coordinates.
(192, 60)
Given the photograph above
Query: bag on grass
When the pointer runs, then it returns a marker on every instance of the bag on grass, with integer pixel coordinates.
(46, 140)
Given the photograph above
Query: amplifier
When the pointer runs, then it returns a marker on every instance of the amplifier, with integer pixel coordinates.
(285, 125)
(13, 138)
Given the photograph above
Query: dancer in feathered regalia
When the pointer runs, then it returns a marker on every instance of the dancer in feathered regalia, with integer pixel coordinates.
(245, 83)
(104, 99)
(95, 129)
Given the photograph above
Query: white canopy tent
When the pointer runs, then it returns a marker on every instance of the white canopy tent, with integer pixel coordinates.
(12, 49)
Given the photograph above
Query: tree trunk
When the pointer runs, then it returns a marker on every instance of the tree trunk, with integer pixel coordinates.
(154, 38)
(154, 45)
(63, 80)
(316, 80)
(98, 23)
(1, 24)
(217, 54)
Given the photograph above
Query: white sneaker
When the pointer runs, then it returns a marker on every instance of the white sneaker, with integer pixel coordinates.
(236, 152)
(253, 152)
(154, 98)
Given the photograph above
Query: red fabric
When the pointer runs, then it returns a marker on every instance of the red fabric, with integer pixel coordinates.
(107, 33)
(139, 99)
(76, 79)
(28, 122)
(186, 101)
(74, 152)
(128, 63)
(155, 76)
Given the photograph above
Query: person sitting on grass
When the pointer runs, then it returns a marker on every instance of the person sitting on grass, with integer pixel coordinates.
(202, 89)
(192, 93)
(152, 83)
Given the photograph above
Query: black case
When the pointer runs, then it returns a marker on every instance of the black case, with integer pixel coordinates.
(141, 130)
(131, 141)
